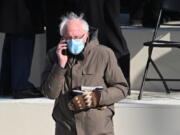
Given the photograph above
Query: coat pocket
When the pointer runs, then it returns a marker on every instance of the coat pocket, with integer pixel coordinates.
(91, 77)
(101, 120)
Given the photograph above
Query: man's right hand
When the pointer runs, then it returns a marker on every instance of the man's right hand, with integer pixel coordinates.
(62, 59)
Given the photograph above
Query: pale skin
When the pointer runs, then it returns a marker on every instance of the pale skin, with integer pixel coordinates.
(72, 30)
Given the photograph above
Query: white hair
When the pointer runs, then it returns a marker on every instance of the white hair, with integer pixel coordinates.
(72, 16)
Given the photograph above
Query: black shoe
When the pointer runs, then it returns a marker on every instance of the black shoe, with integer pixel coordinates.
(28, 93)
(1, 92)
(5, 92)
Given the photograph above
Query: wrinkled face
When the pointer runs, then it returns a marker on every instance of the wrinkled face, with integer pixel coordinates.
(74, 30)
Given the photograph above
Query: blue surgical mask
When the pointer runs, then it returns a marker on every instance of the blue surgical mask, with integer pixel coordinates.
(75, 46)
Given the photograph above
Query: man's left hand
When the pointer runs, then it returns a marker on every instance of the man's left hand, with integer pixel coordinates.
(85, 101)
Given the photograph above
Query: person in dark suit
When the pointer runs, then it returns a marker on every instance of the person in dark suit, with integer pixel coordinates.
(20, 20)
(53, 13)
(101, 14)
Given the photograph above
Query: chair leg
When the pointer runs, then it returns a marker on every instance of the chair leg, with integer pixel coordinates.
(144, 77)
(160, 75)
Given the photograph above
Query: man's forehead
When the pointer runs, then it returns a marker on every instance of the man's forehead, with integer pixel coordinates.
(74, 27)
(74, 24)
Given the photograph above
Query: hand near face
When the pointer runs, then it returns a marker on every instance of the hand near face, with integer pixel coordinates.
(62, 59)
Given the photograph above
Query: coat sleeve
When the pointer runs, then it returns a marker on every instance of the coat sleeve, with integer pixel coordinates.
(117, 86)
(52, 79)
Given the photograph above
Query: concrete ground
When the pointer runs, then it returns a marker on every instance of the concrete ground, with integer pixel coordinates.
(156, 114)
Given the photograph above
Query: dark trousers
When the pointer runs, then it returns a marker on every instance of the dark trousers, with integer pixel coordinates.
(16, 63)
(124, 63)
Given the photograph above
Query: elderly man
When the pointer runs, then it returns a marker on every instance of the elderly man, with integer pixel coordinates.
(101, 14)
(84, 78)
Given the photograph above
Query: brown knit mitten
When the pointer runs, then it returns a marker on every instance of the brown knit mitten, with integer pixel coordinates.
(85, 101)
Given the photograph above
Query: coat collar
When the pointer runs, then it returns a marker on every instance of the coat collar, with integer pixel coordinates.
(92, 40)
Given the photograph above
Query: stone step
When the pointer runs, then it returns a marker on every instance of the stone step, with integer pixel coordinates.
(156, 114)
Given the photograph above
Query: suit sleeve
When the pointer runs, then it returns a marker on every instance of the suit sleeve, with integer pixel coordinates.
(117, 86)
(52, 79)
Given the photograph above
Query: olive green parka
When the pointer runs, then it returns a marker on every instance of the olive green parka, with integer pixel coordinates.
(96, 66)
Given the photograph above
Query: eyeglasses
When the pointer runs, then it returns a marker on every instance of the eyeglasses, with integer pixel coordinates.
(74, 37)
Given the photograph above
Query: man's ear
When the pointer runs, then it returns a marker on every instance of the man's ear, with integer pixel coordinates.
(87, 37)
